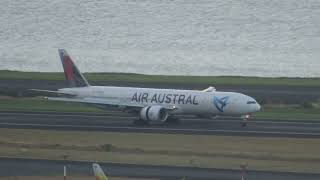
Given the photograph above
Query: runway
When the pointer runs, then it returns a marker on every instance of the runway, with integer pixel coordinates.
(29, 167)
(121, 122)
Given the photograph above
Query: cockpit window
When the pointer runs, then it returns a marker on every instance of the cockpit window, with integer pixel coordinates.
(251, 102)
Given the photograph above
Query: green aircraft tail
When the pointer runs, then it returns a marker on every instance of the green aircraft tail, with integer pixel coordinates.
(98, 172)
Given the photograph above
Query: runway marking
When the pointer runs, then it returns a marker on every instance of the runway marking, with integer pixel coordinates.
(61, 115)
(183, 118)
(164, 129)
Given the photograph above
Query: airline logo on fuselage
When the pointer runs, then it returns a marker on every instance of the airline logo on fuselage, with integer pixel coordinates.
(220, 103)
(165, 98)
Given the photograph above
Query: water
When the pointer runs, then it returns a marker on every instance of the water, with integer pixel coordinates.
(192, 37)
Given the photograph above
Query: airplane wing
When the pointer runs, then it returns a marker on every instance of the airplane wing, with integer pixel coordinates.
(106, 101)
(110, 101)
(90, 100)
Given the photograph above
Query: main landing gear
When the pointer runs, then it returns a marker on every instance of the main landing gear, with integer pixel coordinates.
(172, 120)
(140, 122)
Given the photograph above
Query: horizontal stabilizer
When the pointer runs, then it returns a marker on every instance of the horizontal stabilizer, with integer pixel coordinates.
(41, 92)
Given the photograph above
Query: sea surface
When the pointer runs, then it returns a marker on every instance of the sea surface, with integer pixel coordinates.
(272, 38)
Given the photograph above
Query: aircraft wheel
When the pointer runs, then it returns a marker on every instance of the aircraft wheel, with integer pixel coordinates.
(139, 122)
(173, 120)
(244, 124)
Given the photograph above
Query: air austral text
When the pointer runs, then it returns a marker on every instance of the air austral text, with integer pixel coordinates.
(165, 98)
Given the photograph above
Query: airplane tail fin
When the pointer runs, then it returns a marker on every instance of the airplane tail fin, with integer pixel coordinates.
(71, 72)
(98, 172)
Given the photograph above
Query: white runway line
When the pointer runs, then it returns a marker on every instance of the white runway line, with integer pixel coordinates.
(163, 129)
(268, 121)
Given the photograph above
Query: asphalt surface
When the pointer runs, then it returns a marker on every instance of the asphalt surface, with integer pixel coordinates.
(28, 167)
(113, 121)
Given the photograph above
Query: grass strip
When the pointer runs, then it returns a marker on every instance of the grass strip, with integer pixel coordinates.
(272, 154)
(166, 79)
(291, 112)
(37, 104)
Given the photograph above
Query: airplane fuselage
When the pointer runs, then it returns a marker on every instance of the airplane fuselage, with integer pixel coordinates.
(185, 101)
(153, 105)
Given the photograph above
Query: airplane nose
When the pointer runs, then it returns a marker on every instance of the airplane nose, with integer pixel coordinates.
(258, 107)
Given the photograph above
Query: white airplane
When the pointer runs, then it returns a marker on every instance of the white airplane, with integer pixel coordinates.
(149, 104)
(98, 172)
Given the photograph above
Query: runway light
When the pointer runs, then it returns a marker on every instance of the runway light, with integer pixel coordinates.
(243, 168)
(65, 157)
(64, 173)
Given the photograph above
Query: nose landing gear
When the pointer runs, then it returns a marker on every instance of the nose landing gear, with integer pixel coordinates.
(245, 119)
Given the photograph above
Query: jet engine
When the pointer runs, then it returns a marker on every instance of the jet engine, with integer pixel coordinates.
(153, 113)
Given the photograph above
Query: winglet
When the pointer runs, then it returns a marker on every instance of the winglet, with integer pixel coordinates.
(98, 172)
(209, 89)
(71, 72)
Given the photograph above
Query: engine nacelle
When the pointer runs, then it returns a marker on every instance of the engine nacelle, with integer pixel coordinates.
(153, 113)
